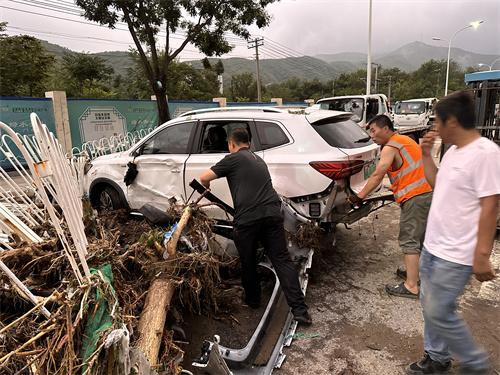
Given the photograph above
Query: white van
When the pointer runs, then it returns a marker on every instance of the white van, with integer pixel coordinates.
(414, 112)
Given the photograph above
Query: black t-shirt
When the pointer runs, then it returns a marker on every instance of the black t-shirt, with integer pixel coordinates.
(251, 188)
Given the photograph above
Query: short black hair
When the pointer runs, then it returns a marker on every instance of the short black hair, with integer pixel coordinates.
(240, 136)
(381, 121)
(460, 105)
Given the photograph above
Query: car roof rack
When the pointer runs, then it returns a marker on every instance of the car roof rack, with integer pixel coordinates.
(230, 109)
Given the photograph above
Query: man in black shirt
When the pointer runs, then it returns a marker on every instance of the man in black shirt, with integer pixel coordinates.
(257, 217)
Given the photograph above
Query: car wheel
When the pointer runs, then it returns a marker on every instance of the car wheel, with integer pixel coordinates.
(109, 199)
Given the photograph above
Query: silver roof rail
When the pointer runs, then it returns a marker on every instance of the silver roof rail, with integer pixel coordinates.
(229, 109)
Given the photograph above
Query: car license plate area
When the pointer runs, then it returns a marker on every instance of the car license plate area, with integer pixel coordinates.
(368, 169)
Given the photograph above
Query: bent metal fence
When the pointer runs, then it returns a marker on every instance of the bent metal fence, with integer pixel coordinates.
(44, 177)
(116, 143)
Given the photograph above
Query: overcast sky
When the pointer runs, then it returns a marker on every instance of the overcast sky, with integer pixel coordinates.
(299, 26)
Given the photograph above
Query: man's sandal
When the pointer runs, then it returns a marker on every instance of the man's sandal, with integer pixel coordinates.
(400, 290)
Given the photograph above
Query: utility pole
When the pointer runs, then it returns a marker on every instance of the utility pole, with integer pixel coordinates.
(369, 56)
(389, 91)
(376, 77)
(333, 87)
(256, 43)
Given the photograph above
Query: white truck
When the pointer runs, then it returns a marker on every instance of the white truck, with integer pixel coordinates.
(415, 115)
(366, 107)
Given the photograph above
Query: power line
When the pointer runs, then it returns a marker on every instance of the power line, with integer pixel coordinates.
(72, 36)
(294, 63)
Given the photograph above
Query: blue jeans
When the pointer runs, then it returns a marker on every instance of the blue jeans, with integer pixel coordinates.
(442, 282)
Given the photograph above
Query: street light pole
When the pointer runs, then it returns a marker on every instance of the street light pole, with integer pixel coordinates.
(481, 64)
(493, 63)
(474, 25)
(369, 57)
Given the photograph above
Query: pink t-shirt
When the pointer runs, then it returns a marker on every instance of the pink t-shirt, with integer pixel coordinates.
(465, 175)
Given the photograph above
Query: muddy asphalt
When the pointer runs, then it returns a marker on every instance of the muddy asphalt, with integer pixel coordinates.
(358, 328)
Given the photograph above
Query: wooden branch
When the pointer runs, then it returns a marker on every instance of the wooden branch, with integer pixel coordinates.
(183, 44)
(142, 54)
(36, 307)
(160, 293)
(152, 320)
(31, 340)
(167, 39)
(25, 291)
(152, 42)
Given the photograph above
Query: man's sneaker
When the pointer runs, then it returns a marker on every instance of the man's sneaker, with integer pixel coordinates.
(303, 319)
(428, 366)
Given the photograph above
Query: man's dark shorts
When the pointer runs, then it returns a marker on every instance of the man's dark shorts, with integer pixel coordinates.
(412, 223)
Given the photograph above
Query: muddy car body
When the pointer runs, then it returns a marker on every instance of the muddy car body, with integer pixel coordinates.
(315, 161)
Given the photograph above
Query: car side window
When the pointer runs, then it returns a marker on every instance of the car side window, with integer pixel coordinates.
(270, 134)
(215, 134)
(171, 140)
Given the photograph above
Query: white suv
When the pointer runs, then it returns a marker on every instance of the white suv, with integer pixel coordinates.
(314, 161)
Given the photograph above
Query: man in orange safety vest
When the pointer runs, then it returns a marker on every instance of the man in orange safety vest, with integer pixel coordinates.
(401, 160)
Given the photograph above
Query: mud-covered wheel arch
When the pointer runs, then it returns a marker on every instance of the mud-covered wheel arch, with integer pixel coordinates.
(106, 194)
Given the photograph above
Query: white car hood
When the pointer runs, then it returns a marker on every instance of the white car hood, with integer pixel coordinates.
(110, 157)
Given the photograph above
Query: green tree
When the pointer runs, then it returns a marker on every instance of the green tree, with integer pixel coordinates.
(24, 65)
(219, 67)
(87, 75)
(243, 88)
(204, 24)
(185, 82)
(206, 63)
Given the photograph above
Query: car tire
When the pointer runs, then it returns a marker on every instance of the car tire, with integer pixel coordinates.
(109, 199)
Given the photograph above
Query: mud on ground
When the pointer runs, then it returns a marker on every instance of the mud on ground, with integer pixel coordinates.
(362, 330)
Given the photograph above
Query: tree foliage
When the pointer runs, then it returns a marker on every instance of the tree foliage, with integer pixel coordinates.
(204, 24)
(243, 88)
(86, 75)
(24, 65)
(185, 82)
(427, 81)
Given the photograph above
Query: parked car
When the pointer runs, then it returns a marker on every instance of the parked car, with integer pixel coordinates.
(315, 161)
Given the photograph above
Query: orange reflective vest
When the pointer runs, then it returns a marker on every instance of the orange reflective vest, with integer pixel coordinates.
(408, 180)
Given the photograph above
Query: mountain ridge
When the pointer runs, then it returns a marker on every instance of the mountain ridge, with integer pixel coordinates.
(324, 67)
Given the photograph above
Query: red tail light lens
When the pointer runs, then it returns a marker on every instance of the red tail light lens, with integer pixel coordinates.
(337, 170)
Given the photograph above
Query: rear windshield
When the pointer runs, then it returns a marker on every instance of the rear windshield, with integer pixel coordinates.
(343, 134)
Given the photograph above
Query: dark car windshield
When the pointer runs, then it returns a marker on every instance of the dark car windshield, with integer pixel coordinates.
(353, 105)
(406, 108)
(342, 132)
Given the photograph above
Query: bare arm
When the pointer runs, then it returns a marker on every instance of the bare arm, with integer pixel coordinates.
(485, 237)
(430, 168)
(386, 159)
(208, 176)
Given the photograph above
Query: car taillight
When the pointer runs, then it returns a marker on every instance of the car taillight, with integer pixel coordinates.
(337, 170)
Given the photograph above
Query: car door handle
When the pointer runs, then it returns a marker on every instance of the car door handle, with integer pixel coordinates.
(175, 170)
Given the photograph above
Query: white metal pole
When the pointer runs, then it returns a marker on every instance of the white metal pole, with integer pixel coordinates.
(369, 57)
(493, 63)
(447, 68)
